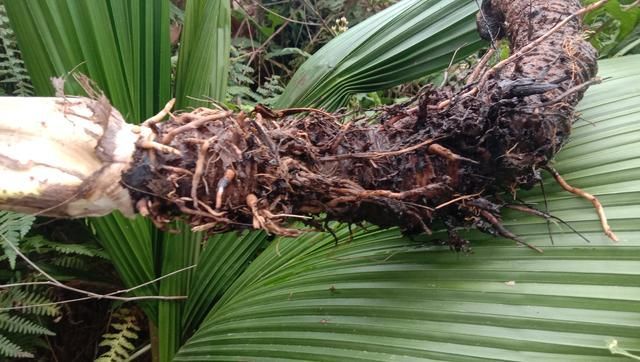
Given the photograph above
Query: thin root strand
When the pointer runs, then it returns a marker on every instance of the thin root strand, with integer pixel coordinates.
(594, 200)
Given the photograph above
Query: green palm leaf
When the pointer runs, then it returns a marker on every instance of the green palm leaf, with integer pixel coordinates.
(129, 245)
(203, 64)
(110, 41)
(379, 296)
(405, 41)
(223, 260)
(181, 250)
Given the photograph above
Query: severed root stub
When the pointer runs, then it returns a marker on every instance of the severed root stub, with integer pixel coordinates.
(442, 157)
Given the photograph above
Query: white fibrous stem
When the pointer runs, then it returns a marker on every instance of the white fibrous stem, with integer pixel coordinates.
(64, 157)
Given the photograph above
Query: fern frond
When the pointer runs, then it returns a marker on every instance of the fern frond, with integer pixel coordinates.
(20, 329)
(18, 324)
(78, 249)
(41, 245)
(12, 69)
(15, 223)
(242, 79)
(33, 243)
(12, 350)
(119, 343)
(13, 227)
(38, 302)
(244, 69)
(71, 262)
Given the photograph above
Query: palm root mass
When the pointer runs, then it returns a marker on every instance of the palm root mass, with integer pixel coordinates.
(442, 157)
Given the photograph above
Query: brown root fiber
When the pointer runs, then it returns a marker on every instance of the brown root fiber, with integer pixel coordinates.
(443, 157)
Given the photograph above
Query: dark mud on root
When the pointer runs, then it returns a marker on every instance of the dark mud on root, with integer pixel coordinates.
(440, 158)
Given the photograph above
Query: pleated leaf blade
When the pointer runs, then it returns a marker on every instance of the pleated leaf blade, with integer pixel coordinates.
(401, 43)
(203, 61)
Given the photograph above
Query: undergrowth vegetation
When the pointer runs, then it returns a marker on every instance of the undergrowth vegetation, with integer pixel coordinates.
(29, 308)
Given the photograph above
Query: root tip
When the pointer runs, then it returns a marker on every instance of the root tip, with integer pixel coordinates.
(612, 235)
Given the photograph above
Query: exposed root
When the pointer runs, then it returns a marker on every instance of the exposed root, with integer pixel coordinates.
(504, 232)
(546, 216)
(376, 155)
(222, 185)
(577, 88)
(263, 219)
(457, 199)
(281, 113)
(197, 174)
(448, 154)
(194, 125)
(151, 145)
(594, 200)
(150, 123)
(481, 67)
(536, 43)
(177, 170)
(441, 156)
(143, 207)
